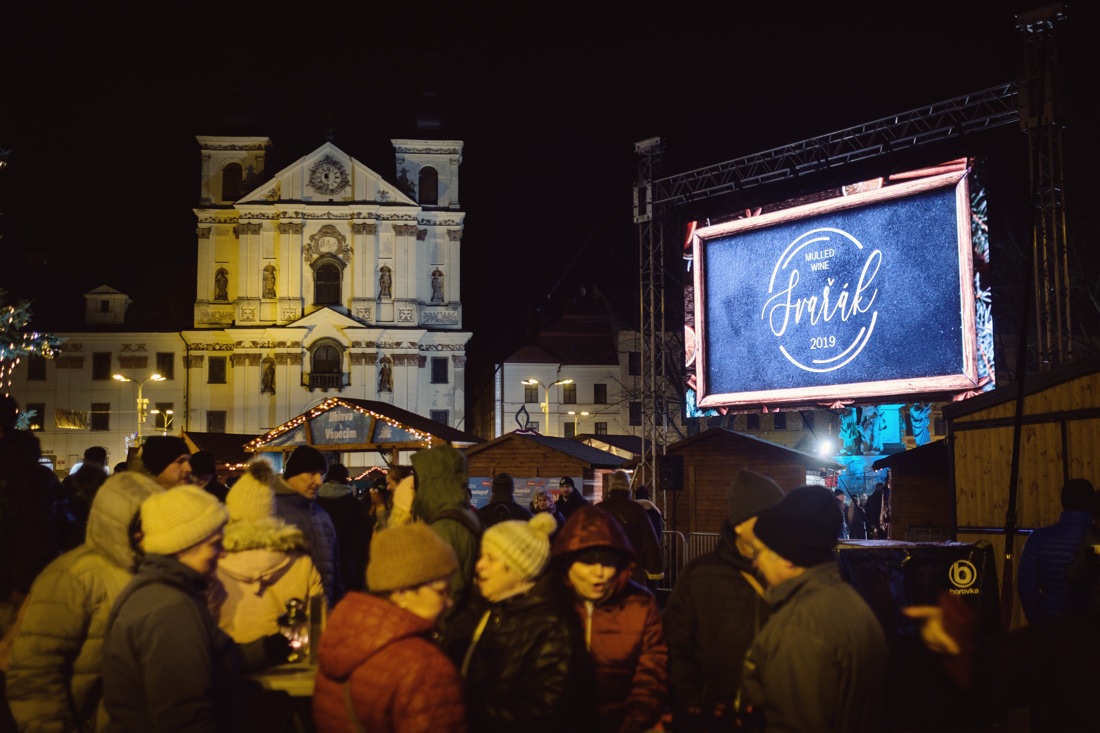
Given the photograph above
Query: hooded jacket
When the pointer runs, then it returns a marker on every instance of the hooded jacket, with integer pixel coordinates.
(266, 564)
(624, 633)
(632, 516)
(398, 679)
(440, 500)
(53, 682)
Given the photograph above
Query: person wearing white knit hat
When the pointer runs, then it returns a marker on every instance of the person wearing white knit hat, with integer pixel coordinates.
(519, 645)
(166, 664)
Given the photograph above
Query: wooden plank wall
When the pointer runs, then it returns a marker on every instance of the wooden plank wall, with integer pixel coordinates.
(919, 501)
(528, 459)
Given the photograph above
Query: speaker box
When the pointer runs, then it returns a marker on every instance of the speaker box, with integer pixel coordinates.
(670, 472)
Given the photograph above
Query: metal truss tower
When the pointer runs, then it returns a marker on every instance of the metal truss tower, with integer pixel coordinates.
(653, 195)
(1040, 117)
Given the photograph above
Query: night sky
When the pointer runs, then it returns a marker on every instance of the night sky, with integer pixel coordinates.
(100, 110)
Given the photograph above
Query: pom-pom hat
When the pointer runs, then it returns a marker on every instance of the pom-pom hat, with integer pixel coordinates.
(252, 497)
(523, 545)
(174, 520)
(408, 556)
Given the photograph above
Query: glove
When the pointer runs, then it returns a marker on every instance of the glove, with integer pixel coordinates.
(277, 649)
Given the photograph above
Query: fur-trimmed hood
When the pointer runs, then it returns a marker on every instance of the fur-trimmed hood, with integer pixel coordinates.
(268, 533)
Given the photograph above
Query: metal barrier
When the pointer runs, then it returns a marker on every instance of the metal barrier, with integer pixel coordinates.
(679, 551)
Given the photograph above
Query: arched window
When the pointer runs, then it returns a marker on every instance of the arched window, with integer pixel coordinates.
(232, 178)
(327, 279)
(429, 186)
(326, 366)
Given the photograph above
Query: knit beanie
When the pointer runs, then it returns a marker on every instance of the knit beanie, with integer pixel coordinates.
(749, 494)
(161, 450)
(251, 496)
(203, 463)
(803, 527)
(408, 556)
(503, 485)
(180, 518)
(305, 459)
(619, 482)
(523, 545)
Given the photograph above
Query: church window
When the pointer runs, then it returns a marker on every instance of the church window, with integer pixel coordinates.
(326, 361)
(429, 186)
(327, 279)
(232, 178)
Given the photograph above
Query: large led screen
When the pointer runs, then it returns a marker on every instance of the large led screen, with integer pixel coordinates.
(863, 296)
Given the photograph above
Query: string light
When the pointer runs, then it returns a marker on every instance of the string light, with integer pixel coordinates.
(253, 445)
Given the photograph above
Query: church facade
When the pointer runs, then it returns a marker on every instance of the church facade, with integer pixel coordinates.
(321, 279)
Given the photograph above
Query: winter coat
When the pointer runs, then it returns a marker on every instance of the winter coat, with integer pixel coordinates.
(398, 679)
(1044, 589)
(441, 487)
(265, 565)
(28, 529)
(79, 490)
(567, 506)
(502, 509)
(819, 664)
(166, 664)
(349, 517)
(529, 670)
(649, 560)
(53, 682)
(320, 532)
(623, 633)
(710, 619)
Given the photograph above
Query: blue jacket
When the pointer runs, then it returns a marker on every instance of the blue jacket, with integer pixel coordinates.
(320, 533)
(1044, 590)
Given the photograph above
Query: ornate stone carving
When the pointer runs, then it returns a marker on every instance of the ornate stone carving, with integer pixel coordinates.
(327, 241)
(458, 361)
(248, 314)
(406, 360)
(385, 282)
(194, 361)
(273, 193)
(216, 315)
(405, 315)
(366, 227)
(363, 313)
(454, 235)
(404, 229)
(445, 317)
(421, 235)
(289, 313)
(133, 362)
(250, 228)
(421, 362)
(211, 347)
(360, 359)
(133, 347)
(418, 150)
(441, 347)
(291, 227)
(328, 176)
(203, 232)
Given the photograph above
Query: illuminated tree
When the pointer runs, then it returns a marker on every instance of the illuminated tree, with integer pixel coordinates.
(18, 338)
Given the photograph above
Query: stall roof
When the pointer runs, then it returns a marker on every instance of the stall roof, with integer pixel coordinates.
(594, 457)
(809, 459)
(359, 425)
(930, 459)
(227, 448)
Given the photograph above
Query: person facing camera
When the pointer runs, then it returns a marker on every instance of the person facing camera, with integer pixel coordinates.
(519, 644)
(167, 459)
(622, 624)
(378, 659)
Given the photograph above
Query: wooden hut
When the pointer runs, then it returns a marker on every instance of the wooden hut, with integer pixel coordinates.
(1060, 439)
(922, 505)
(710, 461)
(538, 461)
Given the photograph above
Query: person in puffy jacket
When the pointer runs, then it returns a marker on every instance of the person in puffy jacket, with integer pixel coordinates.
(622, 623)
(378, 660)
(53, 682)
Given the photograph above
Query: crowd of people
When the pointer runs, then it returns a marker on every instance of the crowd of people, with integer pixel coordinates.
(440, 617)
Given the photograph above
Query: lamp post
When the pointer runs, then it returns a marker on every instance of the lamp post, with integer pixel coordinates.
(576, 418)
(167, 419)
(546, 402)
(142, 403)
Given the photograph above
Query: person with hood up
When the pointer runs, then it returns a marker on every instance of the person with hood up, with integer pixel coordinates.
(266, 561)
(378, 660)
(440, 500)
(519, 645)
(715, 610)
(649, 560)
(53, 682)
(621, 621)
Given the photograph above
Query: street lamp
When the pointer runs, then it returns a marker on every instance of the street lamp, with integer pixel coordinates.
(576, 418)
(142, 404)
(546, 402)
(167, 419)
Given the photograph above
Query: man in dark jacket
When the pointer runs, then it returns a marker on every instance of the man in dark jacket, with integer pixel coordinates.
(1044, 589)
(715, 609)
(204, 474)
(295, 494)
(166, 664)
(570, 499)
(819, 663)
(502, 504)
(337, 497)
(649, 560)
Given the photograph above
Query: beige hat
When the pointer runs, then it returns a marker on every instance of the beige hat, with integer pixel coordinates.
(252, 497)
(523, 545)
(180, 518)
(408, 556)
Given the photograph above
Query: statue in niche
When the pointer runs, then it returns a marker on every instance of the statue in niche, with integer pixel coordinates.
(437, 285)
(221, 284)
(920, 414)
(267, 377)
(385, 376)
(384, 282)
(269, 281)
(872, 423)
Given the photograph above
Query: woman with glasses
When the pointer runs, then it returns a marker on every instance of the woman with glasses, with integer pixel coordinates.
(380, 669)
